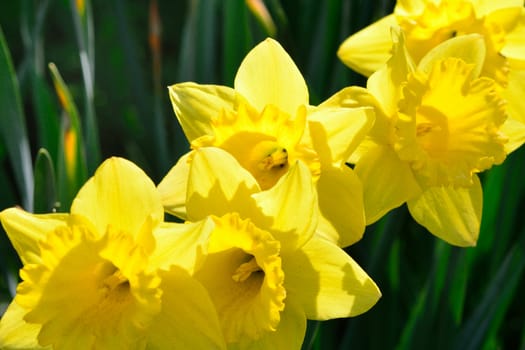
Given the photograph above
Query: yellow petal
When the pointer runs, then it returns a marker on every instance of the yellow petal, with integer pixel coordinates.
(514, 48)
(469, 48)
(342, 218)
(288, 210)
(514, 126)
(15, 333)
(409, 7)
(367, 50)
(289, 334)
(336, 133)
(450, 213)
(354, 96)
(484, 7)
(172, 188)
(386, 83)
(26, 230)
(268, 75)
(188, 319)
(120, 194)
(515, 131)
(328, 282)
(387, 182)
(218, 185)
(183, 245)
(196, 105)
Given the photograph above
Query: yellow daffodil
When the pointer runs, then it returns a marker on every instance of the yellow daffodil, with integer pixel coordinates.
(110, 275)
(266, 269)
(427, 23)
(438, 124)
(266, 123)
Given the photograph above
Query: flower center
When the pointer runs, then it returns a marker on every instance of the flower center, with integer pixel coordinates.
(263, 143)
(448, 126)
(89, 288)
(115, 287)
(244, 271)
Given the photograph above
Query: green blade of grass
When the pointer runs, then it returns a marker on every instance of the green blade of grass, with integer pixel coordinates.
(13, 127)
(199, 54)
(82, 19)
(500, 291)
(72, 172)
(45, 109)
(420, 324)
(237, 38)
(45, 191)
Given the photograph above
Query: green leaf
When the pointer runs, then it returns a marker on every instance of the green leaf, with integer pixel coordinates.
(13, 127)
(45, 191)
(237, 38)
(500, 290)
(82, 19)
(72, 171)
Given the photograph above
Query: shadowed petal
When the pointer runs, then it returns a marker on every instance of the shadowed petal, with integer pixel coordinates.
(217, 185)
(342, 217)
(173, 187)
(384, 193)
(15, 333)
(188, 319)
(291, 204)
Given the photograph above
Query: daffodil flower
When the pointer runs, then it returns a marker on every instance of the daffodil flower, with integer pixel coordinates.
(427, 23)
(267, 124)
(266, 270)
(438, 124)
(109, 275)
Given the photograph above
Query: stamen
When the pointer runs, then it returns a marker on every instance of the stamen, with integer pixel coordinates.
(423, 129)
(244, 271)
(113, 281)
(277, 159)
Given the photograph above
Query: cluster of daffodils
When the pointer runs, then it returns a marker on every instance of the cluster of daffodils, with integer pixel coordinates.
(446, 80)
(267, 195)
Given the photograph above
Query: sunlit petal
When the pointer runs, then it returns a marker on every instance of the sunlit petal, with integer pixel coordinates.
(195, 116)
(120, 194)
(26, 230)
(451, 213)
(267, 75)
(327, 282)
(367, 50)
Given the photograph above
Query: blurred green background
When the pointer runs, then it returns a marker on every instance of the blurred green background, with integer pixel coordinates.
(81, 81)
